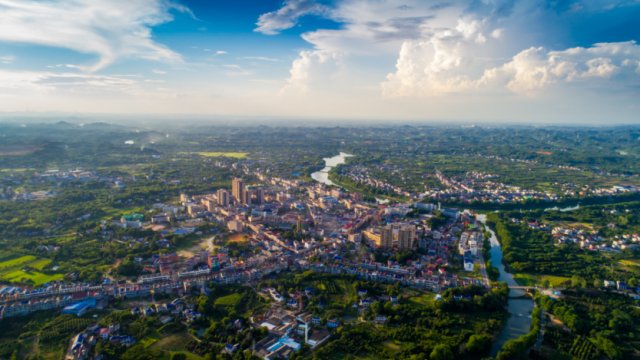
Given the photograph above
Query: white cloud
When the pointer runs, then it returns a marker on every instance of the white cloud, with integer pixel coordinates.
(108, 29)
(610, 64)
(369, 30)
(50, 82)
(286, 17)
(159, 72)
(497, 33)
(310, 67)
(445, 48)
(235, 70)
(259, 58)
(437, 67)
(7, 59)
(221, 52)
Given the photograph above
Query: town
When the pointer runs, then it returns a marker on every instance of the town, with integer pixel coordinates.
(283, 225)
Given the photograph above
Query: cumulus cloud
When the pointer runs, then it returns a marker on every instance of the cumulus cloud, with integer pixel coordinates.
(454, 46)
(369, 29)
(427, 68)
(600, 64)
(308, 68)
(274, 22)
(108, 29)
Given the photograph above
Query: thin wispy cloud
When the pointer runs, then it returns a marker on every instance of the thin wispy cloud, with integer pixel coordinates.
(7, 59)
(274, 22)
(110, 30)
(259, 58)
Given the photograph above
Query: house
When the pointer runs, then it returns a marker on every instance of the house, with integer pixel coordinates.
(380, 319)
(317, 337)
(231, 348)
(621, 286)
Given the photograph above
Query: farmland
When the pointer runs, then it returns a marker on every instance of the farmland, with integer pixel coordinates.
(228, 154)
(27, 269)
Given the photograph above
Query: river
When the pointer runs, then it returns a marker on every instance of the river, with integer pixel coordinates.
(519, 321)
(322, 176)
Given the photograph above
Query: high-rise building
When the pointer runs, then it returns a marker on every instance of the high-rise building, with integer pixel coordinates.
(238, 191)
(406, 237)
(386, 237)
(223, 197)
(259, 196)
(299, 224)
(402, 235)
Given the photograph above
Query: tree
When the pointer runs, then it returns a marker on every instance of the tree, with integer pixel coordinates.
(546, 283)
(479, 344)
(441, 352)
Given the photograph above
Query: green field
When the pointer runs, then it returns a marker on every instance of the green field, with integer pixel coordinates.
(424, 299)
(229, 154)
(27, 269)
(229, 300)
(531, 280)
(630, 262)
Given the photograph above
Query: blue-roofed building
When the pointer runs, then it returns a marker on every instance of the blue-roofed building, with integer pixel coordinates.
(80, 308)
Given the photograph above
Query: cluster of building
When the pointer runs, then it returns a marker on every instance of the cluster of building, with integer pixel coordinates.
(47, 179)
(470, 247)
(590, 240)
(363, 176)
(81, 345)
(400, 236)
(482, 187)
(288, 329)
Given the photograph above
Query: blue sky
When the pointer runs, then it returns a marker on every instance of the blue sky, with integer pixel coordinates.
(474, 60)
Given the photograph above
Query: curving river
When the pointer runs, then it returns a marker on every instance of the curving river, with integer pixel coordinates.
(322, 176)
(519, 321)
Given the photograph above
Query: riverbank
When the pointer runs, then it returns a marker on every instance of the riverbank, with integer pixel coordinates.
(520, 309)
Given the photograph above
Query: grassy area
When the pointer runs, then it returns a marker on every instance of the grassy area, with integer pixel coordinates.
(189, 356)
(229, 154)
(630, 262)
(27, 268)
(424, 299)
(229, 300)
(532, 280)
(7, 264)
